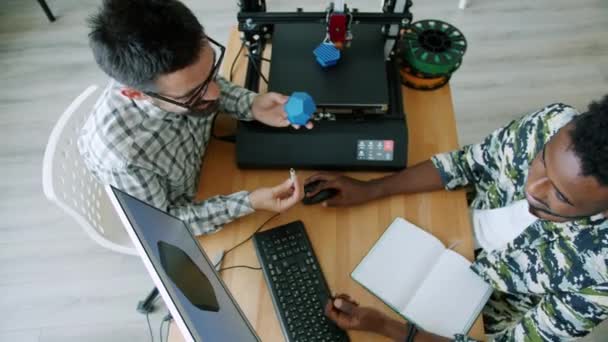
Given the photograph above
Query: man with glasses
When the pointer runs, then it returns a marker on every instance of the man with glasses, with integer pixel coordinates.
(149, 130)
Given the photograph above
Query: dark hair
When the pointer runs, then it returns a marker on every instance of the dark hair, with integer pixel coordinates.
(135, 41)
(590, 140)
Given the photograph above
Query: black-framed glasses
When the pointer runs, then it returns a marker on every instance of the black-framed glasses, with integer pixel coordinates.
(196, 99)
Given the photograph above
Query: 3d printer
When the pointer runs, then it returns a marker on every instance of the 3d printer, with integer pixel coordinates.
(360, 121)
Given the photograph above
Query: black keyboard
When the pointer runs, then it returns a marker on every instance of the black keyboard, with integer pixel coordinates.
(297, 286)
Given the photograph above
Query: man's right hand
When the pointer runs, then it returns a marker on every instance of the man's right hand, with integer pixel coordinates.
(348, 315)
(421, 177)
(350, 191)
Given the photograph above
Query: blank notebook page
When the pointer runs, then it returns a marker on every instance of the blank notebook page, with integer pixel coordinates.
(398, 263)
(450, 298)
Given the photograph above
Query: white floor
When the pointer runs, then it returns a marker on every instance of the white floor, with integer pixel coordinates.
(57, 285)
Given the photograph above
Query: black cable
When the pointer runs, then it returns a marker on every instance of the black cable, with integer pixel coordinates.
(255, 66)
(259, 57)
(247, 239)
(240, 266)
(411, 332)
(236, 58)
(168, 327)
(167, 319)
(149, 326)
(160, 333)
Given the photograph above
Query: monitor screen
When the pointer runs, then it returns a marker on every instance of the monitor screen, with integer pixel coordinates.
(186, 279)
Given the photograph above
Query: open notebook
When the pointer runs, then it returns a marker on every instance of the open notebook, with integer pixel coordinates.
(433, 287)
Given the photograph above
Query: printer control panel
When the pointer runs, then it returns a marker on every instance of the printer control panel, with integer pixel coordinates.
(375, 150)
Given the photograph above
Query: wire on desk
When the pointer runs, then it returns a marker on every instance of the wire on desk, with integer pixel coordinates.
(236, 58)
(259, 57)
(244, 241)
(149, 326)
(160, 333)
(167, 319)
(240, 266)
(167, 336)
(255, 66)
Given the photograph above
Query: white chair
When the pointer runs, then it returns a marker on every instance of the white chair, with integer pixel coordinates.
(67, 182)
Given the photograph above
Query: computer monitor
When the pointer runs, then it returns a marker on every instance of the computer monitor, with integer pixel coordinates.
(195, 295)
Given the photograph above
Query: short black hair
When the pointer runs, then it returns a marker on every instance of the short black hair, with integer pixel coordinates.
(135, 41)
(590, 140)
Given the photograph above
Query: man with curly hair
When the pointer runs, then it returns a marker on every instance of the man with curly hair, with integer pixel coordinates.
(539, 189)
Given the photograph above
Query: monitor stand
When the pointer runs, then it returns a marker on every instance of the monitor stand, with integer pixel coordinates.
(364, 139)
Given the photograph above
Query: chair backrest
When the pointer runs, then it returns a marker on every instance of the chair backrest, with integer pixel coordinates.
(69, 184)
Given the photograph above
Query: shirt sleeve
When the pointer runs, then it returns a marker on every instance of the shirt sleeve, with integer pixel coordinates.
(501, 154)
(204, 217)
(235, 100)
(470, 164)
(561, 317)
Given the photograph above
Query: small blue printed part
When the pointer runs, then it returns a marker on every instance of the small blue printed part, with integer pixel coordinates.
(299, 108)
(327, 54)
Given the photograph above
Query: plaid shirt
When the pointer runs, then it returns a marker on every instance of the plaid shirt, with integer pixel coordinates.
(156, 155)
(550, 282)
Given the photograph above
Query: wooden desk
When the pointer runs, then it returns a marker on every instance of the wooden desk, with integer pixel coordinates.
(340, 237)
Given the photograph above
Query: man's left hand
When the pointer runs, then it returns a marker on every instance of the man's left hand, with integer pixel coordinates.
(278, 198)
(268, 109)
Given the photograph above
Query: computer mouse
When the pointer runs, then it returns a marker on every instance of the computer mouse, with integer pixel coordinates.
(321, 196)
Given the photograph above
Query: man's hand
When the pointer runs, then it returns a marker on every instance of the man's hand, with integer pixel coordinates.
(348, 315)
(268, 109)
(421, 177)
(350, 191)
(278, 198)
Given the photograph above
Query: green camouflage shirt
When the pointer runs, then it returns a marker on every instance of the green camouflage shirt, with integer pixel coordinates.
(551, 282)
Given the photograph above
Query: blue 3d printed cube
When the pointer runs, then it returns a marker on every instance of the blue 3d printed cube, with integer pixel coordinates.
(327, 55)
(299, 108)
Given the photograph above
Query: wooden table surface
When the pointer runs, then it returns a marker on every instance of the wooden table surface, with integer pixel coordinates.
(342, 236)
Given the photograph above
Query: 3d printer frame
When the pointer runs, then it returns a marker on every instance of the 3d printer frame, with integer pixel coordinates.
(257, 26)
